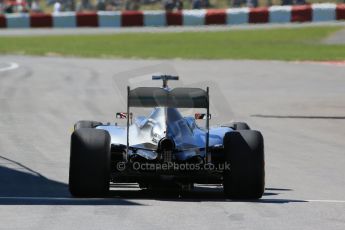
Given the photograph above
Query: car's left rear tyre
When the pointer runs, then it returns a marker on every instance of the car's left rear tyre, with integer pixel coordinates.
(89, 172)
(86, 124)
(239, 125)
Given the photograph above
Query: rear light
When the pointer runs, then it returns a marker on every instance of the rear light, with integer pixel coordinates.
(165, 149)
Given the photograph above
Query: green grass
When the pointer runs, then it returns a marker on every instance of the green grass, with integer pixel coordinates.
(269, 44)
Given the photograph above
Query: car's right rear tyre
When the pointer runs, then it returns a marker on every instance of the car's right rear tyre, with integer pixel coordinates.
(89, 173)
(244, 151)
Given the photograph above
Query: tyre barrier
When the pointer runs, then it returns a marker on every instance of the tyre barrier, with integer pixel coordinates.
(174, 18)
(132, 18)
(87, 20)
(274, 14)
(301, 13)
(215, 17)
(340, 12)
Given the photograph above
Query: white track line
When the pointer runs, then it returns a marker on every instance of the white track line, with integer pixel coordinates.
(48, 198)
(10, 66)
(104, 199)
(327, 201)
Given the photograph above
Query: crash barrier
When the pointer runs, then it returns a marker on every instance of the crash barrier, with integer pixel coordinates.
(275, 14)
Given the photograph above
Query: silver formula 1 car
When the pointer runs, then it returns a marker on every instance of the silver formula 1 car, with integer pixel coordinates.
(166, 149)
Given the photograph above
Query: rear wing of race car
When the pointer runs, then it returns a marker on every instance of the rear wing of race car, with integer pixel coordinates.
(175, 98)
(172, 98)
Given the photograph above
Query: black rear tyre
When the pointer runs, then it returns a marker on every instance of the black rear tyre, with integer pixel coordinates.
(86, 124)
(89, 173)
(239, 126)
(244, 151)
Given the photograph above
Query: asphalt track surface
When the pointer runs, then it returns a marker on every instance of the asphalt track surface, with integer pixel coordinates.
(299, 107)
